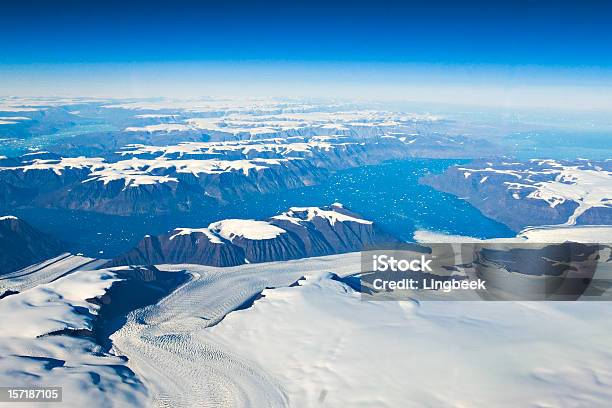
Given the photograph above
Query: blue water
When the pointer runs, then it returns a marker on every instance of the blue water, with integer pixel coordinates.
(14, 147)
(389, 194)
(559, 145)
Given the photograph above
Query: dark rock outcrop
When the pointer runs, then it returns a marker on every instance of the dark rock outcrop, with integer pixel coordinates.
(22, 245)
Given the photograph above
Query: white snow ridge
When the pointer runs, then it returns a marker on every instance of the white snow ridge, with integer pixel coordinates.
(188, 231)
(249, 229)
(298, 214)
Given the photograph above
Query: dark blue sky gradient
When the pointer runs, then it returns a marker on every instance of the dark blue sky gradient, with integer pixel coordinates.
(542, 33)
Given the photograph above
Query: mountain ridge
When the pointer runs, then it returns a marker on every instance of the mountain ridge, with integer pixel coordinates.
(300, 232)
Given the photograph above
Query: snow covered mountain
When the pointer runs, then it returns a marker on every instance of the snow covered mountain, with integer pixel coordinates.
(105, 126)
(143, 179)
(231, 126)
(537, 192)
(297, 233)
(140, 186)
(22, 245)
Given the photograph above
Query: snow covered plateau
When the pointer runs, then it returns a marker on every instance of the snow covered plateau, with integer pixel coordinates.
(294, 334)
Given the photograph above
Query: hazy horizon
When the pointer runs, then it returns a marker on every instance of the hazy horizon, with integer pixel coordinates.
(508, 55)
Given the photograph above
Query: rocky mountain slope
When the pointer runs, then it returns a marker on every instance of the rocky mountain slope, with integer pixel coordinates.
(143, 179)
(537, 192)
(22, 245)
(297, 233)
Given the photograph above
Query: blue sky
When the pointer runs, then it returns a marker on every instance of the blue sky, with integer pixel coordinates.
(93, 45)
(516, 32)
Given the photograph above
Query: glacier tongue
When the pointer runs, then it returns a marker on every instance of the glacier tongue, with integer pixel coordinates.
(228, 338)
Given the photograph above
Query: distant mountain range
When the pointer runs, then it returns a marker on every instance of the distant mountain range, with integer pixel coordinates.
(298, 233)
(144, 179)
(127, 157)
